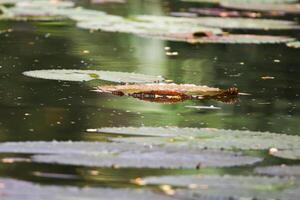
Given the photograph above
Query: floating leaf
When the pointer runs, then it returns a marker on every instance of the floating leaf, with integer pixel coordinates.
(39, 3)
(242, 39)
(31, 14)
(231, 187)
(285, 8)
(295, 44)
(99, 154)
(88, 75)
(281, 170)
(243, 1)
(176, 31)
(16, 189)
(217, 139)
(147, 131)
(220, 12)
(168, 92)
(292, 153)
(183, 29)
(228, 23)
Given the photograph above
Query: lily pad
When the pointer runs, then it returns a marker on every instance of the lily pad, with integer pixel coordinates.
(295, 44)
(242, 39)
(284, 8)
(221, 12)
(99, 154)
(45, 3)
(29, 14)
(190, 30)
(293, 154)
(147, 131)
(88, 75)
(281, 170)
(243, 1)
(227, 23)
(176, 31)
(218, 139)
(16, 189)
(236, 187)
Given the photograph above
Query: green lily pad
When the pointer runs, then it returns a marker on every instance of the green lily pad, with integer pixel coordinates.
(231, 187)
(243, 39)
(243, 1)
(293, 154)
(99, 154)
(179, 29)
(16, 189)
(39, 3)
(227, 23)
(88, 75)
(282, 170)
(80, 14)
(214, 139)
(295, 44)
(285, 8)
(147, 131)
(162, 29)
(29, 14)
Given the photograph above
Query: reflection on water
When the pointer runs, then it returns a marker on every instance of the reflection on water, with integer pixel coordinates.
(33, 109)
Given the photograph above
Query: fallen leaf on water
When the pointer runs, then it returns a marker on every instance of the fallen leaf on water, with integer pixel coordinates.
(168, 93)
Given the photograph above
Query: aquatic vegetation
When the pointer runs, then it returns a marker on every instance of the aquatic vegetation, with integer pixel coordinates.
(279, 170)
(168, 92)
(97, 154)
(193, 30)
(243, 1)
(285, 8)
(222, 164)
(295, 44)
(221, 12)
(224, 23)
(88, 75)
(293, 154)
(215, 139)
(243, 39)
(231, 187)
(14, 189)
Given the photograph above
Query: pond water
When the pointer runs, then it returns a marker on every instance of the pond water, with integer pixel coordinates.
(46, 110)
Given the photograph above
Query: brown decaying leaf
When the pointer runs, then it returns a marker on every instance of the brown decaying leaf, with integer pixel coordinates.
(169, 93)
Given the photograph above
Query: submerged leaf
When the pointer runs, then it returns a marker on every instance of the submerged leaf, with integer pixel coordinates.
(168, 92)
(281, 170)
(233, 187)
(88, 75)
(16, 189)
(99, 154)
(215, 139)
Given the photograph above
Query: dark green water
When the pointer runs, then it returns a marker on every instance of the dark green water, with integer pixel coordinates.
(34, 109)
